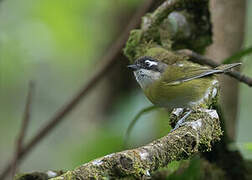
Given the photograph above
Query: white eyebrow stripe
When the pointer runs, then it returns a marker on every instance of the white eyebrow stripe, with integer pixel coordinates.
(151, 63)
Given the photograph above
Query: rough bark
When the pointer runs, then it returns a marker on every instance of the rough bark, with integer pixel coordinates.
(202, 128)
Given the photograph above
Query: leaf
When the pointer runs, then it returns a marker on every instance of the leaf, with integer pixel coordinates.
(248, 146)
(237, 56)
(192, 172)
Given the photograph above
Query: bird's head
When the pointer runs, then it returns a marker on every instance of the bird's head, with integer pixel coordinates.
(147, 70)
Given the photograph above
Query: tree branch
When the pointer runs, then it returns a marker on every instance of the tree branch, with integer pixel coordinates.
(24, 126)
(201, 129)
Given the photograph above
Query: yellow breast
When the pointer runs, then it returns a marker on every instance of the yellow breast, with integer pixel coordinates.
(184, 94)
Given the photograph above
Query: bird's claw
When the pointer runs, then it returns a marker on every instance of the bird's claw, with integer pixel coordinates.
(181, 122)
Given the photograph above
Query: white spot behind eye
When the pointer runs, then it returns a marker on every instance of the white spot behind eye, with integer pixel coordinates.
(150, 63)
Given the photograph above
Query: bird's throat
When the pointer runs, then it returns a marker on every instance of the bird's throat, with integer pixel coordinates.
(146, 77)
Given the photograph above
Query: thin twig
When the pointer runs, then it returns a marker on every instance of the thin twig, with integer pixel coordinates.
(108, 61)
(195, 57)
(24, 126)
(133, 122)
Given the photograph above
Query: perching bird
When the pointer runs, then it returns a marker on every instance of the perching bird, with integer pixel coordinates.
(180, 85)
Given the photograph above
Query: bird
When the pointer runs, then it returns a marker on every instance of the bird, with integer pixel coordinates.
(180, 85)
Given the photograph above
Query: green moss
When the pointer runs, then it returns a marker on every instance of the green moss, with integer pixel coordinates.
(69, 175)
(32, 176)
(132, 45)
(209, 132)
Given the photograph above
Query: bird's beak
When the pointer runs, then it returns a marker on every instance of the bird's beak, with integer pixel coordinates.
(133, 67)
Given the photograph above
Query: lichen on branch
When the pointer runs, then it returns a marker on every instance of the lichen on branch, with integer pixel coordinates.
(176, 24)
(201, 129)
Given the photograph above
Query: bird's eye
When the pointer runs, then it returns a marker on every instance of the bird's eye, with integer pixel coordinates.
(147, 63)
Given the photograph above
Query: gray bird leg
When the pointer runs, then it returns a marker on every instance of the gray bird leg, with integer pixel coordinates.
(182, 120)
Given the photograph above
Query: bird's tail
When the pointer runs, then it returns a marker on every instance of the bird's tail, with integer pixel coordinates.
(227, 67)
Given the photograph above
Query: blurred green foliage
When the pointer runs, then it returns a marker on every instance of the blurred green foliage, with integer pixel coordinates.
(248, 146)
(173, 166)
(102, 143)
(244, 133)
(237, 56)
(191, 173)
(57, 44)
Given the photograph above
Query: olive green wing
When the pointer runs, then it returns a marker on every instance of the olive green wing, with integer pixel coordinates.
(176, 74)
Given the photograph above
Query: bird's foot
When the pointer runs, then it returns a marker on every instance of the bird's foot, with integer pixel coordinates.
(181, 121)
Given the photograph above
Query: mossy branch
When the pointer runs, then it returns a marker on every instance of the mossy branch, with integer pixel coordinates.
(201, 129)
(176, 24)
